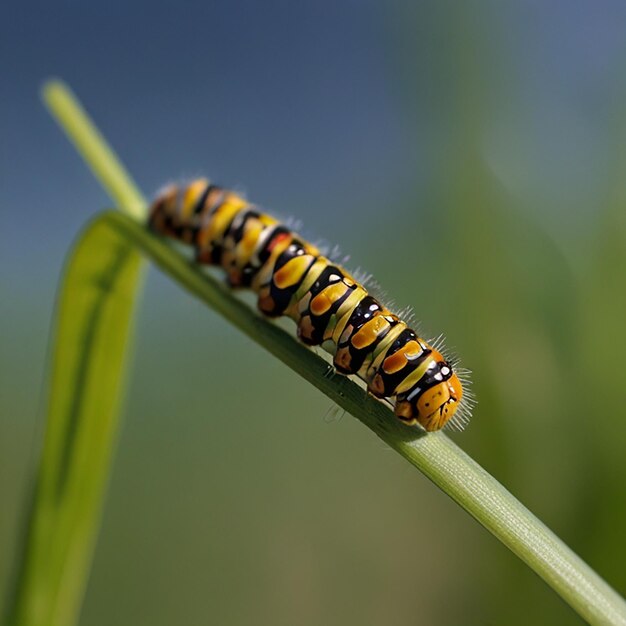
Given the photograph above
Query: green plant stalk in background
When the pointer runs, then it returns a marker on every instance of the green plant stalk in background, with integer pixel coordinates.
(93, 328)
(92, 333)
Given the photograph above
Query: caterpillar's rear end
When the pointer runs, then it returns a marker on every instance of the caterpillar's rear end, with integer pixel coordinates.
(292, 277)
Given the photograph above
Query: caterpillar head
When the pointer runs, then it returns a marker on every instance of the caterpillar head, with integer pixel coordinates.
(435, 400)
(438, 404)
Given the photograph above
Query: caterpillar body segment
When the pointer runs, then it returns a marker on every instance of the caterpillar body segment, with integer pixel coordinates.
(330, 308)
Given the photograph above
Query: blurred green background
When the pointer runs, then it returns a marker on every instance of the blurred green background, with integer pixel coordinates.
(471, 156)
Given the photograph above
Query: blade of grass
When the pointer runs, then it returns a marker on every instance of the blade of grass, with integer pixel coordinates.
(103, 278)
(438, 457)
(92, 336)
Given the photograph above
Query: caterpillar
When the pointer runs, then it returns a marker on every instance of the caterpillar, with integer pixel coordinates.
(331, 308)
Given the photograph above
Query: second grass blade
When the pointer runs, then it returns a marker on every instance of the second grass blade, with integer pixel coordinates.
(92, 335)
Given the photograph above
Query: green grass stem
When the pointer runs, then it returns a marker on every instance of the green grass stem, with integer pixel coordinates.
(102, 280)
(434, 454)
(92, 338)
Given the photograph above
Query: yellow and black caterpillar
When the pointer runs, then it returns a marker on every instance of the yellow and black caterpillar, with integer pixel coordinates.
(293, 278)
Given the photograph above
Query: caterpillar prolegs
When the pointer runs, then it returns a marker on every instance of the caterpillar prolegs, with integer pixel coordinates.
(292, 277)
